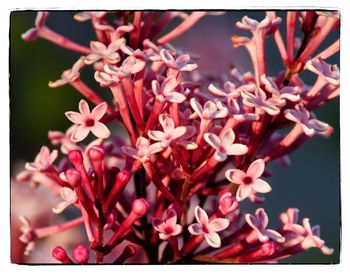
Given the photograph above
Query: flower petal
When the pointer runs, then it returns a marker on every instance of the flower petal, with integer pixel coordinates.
(100, 130)
(236, 149)
(243, 192)
(98, 112)
(195, 229)
(256, 168)
(201, 216)
(84, 108)
(213, 239)
(80, 133)
(235, 175)
(171, 217)
(156, 135)
(219, 224)
(213, 140)
(75, 117)
(261, 186)
(220, 156)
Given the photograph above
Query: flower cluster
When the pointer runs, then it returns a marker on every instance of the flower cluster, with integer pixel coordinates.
(163, 184)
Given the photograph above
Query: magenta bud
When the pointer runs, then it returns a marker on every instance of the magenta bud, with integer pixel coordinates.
(60, 254)
(75, 157)
(269, 248)
(123, 176)
(73, 177)
(81, 254)
(96, 153)
(140, 207)
(228, 204)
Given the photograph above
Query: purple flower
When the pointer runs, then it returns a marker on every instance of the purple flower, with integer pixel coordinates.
(87, 121)
(259, 223)
(249, 181)
(208, 228)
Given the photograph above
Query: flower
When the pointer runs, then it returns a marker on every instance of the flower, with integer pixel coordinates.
(40, 20)
(143, 149)
(167, 227)
(108, 54)
(286, 92)
(69, 75)
(328, 72)
(259, 100)
(170, 132)
(210, 110)
(180, 64)
(87, 121)
(43, 160)
(249, 181)
(224, 146)
(312, 238)
(259, 223)
(145, 55)
(235, 111)
(289, 220)
(301, 116)
(230, 91)
(252, 25)
(208, 228)
(28, 235)
(84, 16)
(69, 197)
(165, 92)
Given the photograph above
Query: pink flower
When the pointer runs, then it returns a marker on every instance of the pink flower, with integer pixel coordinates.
(69, 198)
(259, 100)
(167, 228)
(108, 54)
(312, 238)
(166, 92)
(259, 223)
(28, 235)
(329, 72)
(145, 55)
(252, 25)
(289, 220)
(180, 64)
(87, 121)
(249, 181)
(208, 228)
(40, 20)
(286, 92)
(171, 133)
(143, 149)
(235, 111)
(301, 116)
(210, 110)
(230, 91)
(69, 75)
(43, 160)
(225, 145)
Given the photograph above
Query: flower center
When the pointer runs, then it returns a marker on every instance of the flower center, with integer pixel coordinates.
(168, 230)
(89, 122)
(205, 229)
(247, 180)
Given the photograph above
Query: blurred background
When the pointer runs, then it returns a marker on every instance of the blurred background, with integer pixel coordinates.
(311, 183)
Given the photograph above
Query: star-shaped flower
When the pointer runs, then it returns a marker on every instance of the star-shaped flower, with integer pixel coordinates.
(170, 133)
(108, 54)
(329, 72)
(225, 145)
(43, 160)
(229, 90)
(167, 228)
(249, 181)
(166, 91)
(209, 110)
(180, 64)
(267, 24)
(69, 75)
(143, 149)
(259, 223)
(301, 116)
(87, 121)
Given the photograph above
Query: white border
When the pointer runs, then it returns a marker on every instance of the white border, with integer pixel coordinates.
(6, 268)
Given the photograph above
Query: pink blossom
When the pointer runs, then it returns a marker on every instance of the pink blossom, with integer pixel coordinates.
(108, 54)
(87, 121)
(253, 25)
(229, 90)
(286, 92)
(289, 220)
(249, 181)
(209, 110)
(235, 112)
(227, 203)
(84, 16)
(167, 228)
(28, 235)
(69, 75)
(259, 223)
(145, 55)
(166, 91)
(180, 64)
(69, 197)
(259, 100)
(329, 72)
(40, 20)
(301, 116)
(143, 149)
(43, 160)
(312, 238)
(208, 228)
(171, 133)
(225, 145)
